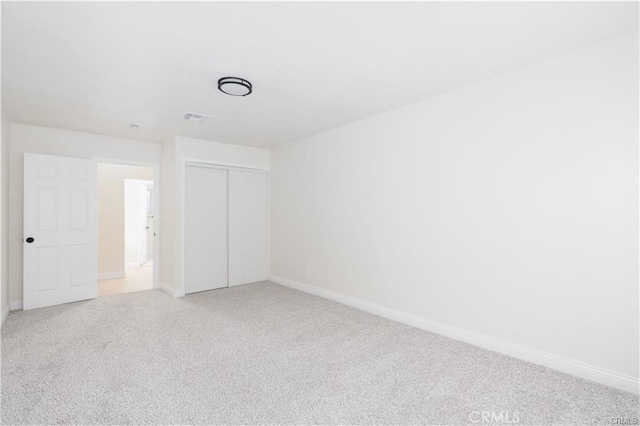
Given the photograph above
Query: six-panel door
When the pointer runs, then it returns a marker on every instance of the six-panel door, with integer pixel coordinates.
(60, 230)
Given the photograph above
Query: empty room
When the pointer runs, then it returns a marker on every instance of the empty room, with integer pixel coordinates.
(331, 213)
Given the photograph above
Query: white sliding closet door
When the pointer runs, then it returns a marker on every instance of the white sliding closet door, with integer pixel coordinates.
(205, 229)
(248, 226)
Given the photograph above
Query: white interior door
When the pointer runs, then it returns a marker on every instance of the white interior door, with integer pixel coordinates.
(60, 230)
(143, 253)
(149, 221)
(205, 229)
(135, 222)
(248, 226)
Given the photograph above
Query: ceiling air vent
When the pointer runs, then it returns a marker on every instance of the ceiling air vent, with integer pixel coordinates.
(192, 116)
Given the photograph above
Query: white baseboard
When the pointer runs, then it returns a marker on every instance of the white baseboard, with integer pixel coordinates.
(168, 289)
(111, 275)
(575, 368)
(16, 305)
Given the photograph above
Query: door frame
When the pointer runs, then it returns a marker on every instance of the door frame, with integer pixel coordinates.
(156, 208)
(181, 184)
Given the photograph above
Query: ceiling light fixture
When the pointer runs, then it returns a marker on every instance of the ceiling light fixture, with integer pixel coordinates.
(235, 86)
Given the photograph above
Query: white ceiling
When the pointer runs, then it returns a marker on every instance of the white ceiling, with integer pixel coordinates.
(100, 66)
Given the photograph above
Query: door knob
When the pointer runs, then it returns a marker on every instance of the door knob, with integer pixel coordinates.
(30, 240)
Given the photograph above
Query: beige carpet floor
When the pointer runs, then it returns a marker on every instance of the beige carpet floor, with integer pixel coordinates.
(266, 354)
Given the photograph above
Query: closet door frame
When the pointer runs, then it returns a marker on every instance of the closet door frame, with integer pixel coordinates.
(181, 182)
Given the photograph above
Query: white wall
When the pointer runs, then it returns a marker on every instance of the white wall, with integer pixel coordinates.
(43, 140)
(4, 218)
(189, 149)
(508, 208)
(111, 214)
(168, 207)
(221, 153)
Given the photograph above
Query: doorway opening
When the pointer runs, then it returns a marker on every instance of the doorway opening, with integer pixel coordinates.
(126, 228)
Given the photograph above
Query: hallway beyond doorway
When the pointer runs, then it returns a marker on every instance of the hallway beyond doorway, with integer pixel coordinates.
(126, 228)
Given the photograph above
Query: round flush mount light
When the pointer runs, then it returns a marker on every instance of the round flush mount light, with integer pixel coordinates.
(234, 86)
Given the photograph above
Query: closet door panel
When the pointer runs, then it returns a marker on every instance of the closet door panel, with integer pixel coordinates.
(206, 212)
(248, 227)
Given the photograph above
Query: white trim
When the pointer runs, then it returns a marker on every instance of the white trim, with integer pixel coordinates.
(16, 305)
(183, 162)
(168, 289)
(208, 165)
(157, 241)
(111, 275)
(575, 368)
